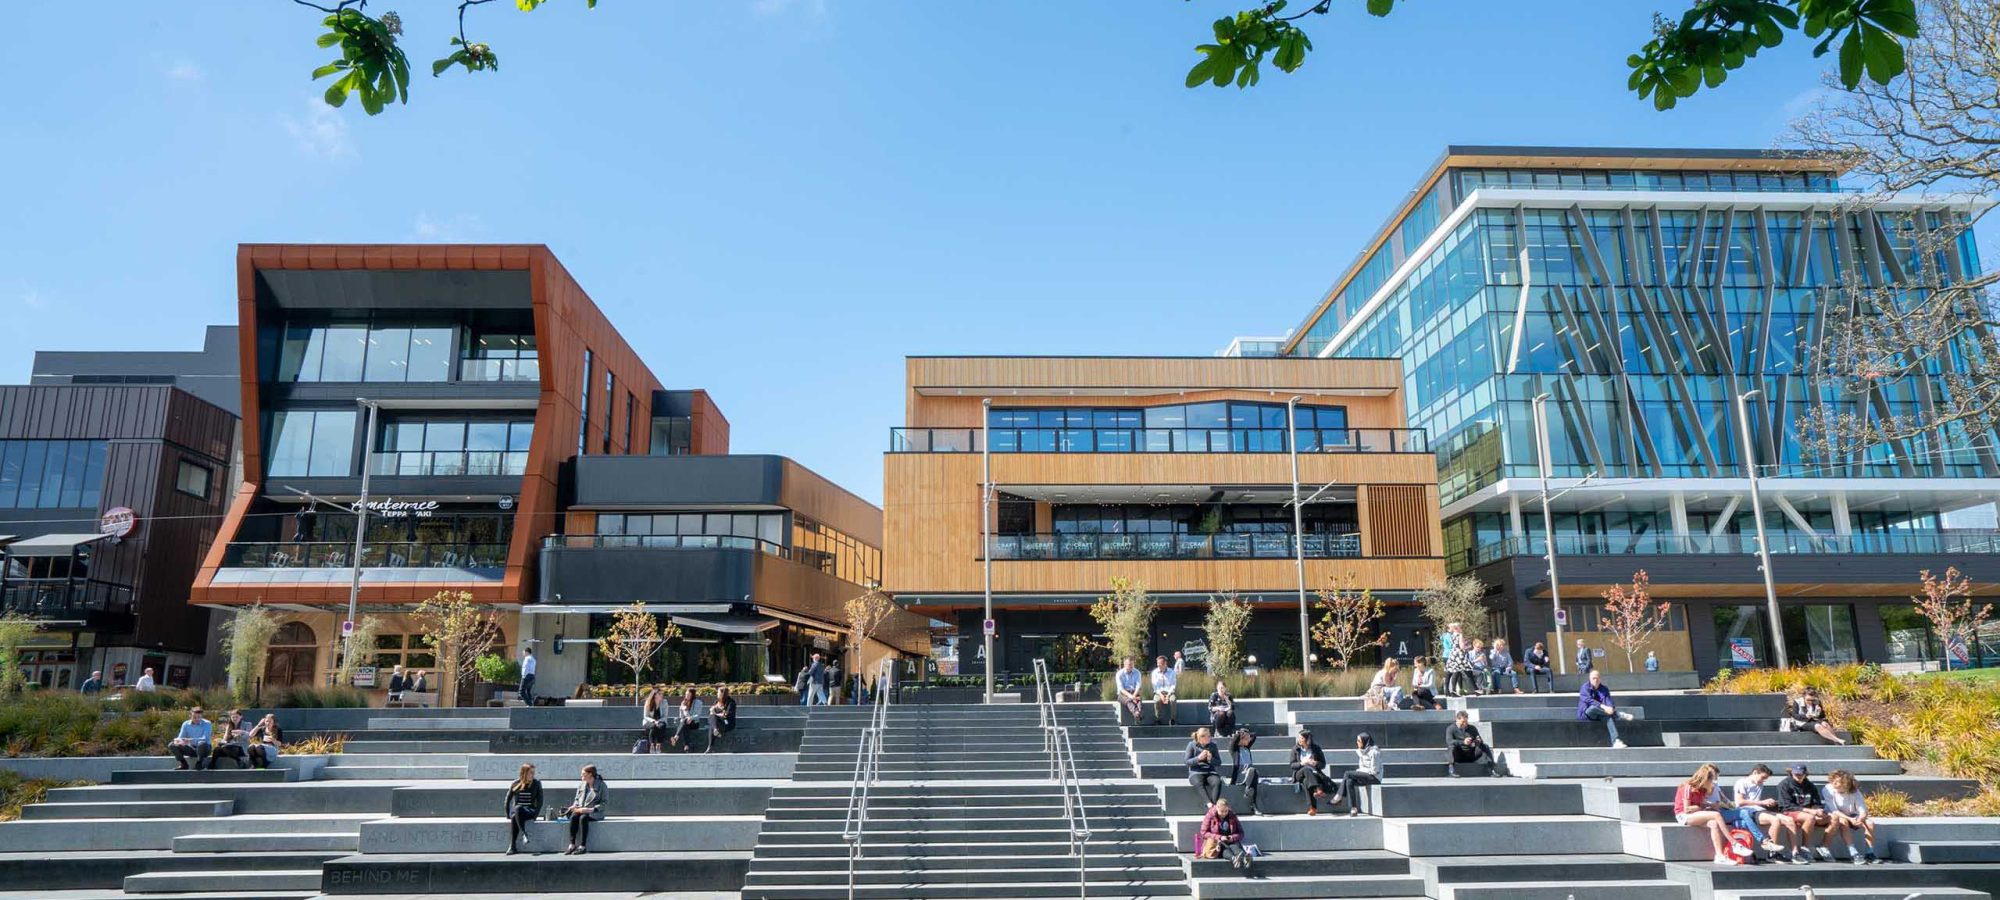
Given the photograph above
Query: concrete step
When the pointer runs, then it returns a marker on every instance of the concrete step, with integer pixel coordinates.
(1472, 795)
(457, 723)
(1822, 757)
(1609, 765)
(393, 773)
(470, 799)
(171, 809)
(1393, 771)
(344, 760)
(1922, 893)
(961, 834)
(234, 882)
(205, 776)
(456, 873)
(102, 836)
(1945, 851)
(1709, 879)
(873, 862)
(1281, 835)
(1065, 870)
(929, 849)
(1323, 864)
(922, 890)
(1658, 889)
(1444, 717)
(1444, 870)
(1502, 836)
(274, 842)
(1743, 739)
(365, 746)
(1257, 884)
(100, 870)
(636, 834)
(119, 894)
(883, 814)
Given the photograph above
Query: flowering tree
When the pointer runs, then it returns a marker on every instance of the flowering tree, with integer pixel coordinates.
(1348, 617)
(866, 612)
(1947, 603)
(635, 636)
(1126, 615)
(1631, 617)
(1228, 615)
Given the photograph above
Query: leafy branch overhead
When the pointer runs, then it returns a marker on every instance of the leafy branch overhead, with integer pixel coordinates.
(1698, 50)
(373, 66)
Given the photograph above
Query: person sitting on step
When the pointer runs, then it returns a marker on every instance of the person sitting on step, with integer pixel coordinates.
(1221, 836)
(1242, 768)
(1222, 709)
(1803, 712)
(690, 712)
(195, 742)
(267, 740)
(1129, 678)
(1202, 758)
(1758, 814)
(1166, 684)
(652, 719)
(1463, 740)
(1385, 691)
(1538, 664)
(1800, 799)
(1849, 814)
(231, 741)
(1698, 804)
(1367, 771)
(1593, 704)
(1501, 666)
(1309, 770)
(1482, 667)
(587, 806)
(522, 805)
(1423, 685)
(721, 716)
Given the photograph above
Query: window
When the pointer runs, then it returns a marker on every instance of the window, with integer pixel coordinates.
(610, 395)
(630, 402)
(192, 480)
(312, 443)
(51, 474)
(672, 436)
(391, 350)
(454, 447)
(583, 412)
(1212, 427)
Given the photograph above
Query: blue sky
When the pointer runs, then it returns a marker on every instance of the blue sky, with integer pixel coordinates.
(777, 200)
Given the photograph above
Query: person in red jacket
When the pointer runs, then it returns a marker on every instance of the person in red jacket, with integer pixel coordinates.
(1698, 804)
(1222, 830)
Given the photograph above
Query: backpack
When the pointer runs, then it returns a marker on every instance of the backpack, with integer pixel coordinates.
(1742, 845)
(643, 746)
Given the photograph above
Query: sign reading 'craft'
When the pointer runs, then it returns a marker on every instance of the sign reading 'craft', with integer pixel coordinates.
(392, 508)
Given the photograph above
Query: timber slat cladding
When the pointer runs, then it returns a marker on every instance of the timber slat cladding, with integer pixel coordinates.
(1397, 520)
(1165, 374)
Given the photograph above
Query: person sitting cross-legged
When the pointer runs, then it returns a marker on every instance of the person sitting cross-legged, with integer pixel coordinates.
(195, 742)
(1309, 770)
(1758, 814)
(1593, 703)
(1849, 814)
(1221, 836)
(1462, 738)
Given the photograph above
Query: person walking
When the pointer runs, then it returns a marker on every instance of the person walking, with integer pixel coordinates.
(816, 683)
(93, 684)
(1308, 764)
(1652, 662)
(195, 741)
(398, 683)
(522, 805)
(652, 719)
(1202, 758)
(1539, 667)
(1221, 836)
(1129, 679)
(1465, 744)
(1804, 712)
(1501, 665)
(528, 676)
(721, 716)
(1243, 768)
(145, 684)
(1800, 799)
(1698, 804)
(1583, 658)
(1367, 770)
(1423, 684)
(1847, 813)
(1758, 814)
(587, 806)
(1222, 709)
(1593, 703)
(1166, 687)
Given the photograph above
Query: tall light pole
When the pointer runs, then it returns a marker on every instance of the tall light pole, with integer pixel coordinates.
(1763, 545)
(1298, 533)
(985, 526)
(360, 530)
(1540, 406)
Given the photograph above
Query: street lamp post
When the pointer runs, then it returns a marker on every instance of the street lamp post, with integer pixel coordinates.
(1548, 525)
(1757, 513)
(360, 531)
(985, 527)
(1298, 533)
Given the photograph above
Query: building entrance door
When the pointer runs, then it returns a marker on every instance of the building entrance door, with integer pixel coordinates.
(293, 656)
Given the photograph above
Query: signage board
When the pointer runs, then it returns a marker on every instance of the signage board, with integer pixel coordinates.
(989, 628)
(1742, 653)
(118, 521)
(1562, 618)
(364, 676)
(392, 508)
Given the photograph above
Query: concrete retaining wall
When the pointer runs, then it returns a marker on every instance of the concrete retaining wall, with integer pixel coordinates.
(632, 766)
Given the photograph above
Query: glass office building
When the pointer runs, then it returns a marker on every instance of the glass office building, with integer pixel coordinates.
(1643, 291)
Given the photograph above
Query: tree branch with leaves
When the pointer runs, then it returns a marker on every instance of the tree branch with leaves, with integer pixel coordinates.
(1227, 618)
(1348, 621)
(372, 64)
(1461, 600)
(1948, 605)
(459, 631)
(635, 636)
(16, 631)
(1631, 618)
(1126, 617)
(246, 640)
(866, 613)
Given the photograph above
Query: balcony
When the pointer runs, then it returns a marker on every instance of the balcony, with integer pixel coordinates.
(1087, 546)
(662, 542)
(446, 463)
(1871, 543)
(499, 370)
(1158, 440)
(387, 555)
(64, 599)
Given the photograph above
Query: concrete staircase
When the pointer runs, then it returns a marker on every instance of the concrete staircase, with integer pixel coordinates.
(965, 808)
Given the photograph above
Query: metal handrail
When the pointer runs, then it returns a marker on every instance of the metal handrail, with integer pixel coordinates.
(1062, 770)
(867, 768)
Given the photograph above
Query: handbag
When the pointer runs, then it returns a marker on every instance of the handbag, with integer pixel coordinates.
(643, 746)
(1211, 849)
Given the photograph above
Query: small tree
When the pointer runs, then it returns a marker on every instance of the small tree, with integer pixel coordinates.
(1348, 617)
(866, 612)
(1461, 600)
(248, 642)
(1947, 603)
(1228, 616)
(1631, 617)
(1126, 615)
(635, 636)
(459, 631)
(15, 632)
(360, 649)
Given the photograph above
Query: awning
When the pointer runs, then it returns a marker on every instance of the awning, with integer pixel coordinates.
(52, 544)
(727, 624)
(559, 609)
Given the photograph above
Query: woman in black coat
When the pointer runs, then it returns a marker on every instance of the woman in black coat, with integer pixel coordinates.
(1202, 758)
(1242, 770)
(1309, 771)
(523, 805)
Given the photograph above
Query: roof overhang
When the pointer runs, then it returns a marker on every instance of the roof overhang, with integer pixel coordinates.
(53, 544)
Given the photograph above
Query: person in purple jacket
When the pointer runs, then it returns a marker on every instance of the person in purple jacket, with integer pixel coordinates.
(1593, 703)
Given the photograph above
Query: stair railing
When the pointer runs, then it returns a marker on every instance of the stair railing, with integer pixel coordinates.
(867, 768)
(1063, 771)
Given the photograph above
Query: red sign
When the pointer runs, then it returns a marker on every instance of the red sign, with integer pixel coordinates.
(118, 521)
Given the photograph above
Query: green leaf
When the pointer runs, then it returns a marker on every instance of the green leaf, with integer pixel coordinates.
(1895, 16)
(1381, 7)
(1248, 75)
(329, 39)
(1883, 55)
(336, 93)
(329, 69)
(1713, 76)
(438, 66)
(527, 5)
(1851, 60)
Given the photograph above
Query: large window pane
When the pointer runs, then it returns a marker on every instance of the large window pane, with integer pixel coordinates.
(74, 470)
(430, 354)
(298, 358)
(93, 481)
(31, 474)
(444, 436)
(519, 434)
(346, 351)
(291, 443)
(388, 354)
(1739, 637)
(52, 473)
(11, 453)
(486, 436)
(332, 443)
